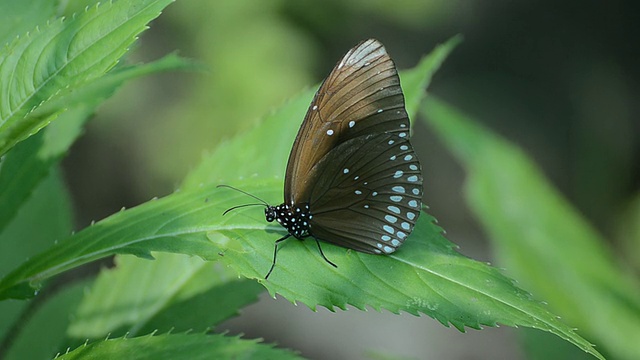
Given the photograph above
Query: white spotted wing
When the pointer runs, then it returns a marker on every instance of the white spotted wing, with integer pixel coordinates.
(360, 97)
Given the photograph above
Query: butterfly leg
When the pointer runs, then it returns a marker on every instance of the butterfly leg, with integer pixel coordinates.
(322, 253)
(275, 252)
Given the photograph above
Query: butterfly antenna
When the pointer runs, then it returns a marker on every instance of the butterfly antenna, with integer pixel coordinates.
(244, 192)
(240, 206)
(263, 203)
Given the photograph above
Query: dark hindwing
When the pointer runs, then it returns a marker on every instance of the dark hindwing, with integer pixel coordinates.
(369, 195)
(361, 96)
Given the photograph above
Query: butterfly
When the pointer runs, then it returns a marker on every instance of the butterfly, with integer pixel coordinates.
(353, 178)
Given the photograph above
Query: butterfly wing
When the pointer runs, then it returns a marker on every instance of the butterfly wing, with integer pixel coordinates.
(361, 96)
(369, 195)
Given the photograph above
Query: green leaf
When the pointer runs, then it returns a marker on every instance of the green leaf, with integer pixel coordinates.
(18, 17)
(176, 223)
(178, 346)
(24, 167)
(50, 205)
(186, 293)
(60, 56)
(418, 78)
(29, 161)
(539, 345)
(425, 276)
(539, 237)
(93, 92)
(47, 325)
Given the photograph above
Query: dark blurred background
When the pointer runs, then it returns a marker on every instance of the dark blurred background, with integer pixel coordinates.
(558, 78)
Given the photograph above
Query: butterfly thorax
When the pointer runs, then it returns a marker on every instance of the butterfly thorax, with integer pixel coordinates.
(293, 218)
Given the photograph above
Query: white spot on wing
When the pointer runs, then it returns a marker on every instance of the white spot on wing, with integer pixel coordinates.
(391, 219)
(329, 132)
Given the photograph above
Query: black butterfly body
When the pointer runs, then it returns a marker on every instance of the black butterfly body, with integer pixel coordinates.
(353, 178)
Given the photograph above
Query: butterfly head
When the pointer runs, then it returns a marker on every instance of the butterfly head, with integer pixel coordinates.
(270, 213)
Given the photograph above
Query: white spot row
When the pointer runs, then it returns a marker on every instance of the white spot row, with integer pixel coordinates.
(394, 209)
(385, 248)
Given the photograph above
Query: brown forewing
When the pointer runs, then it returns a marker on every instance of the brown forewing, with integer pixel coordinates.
(361, 96)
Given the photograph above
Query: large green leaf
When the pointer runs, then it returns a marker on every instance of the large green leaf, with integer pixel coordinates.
(425, 276)
(60, 56)
(539, 237)
(178, 346)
